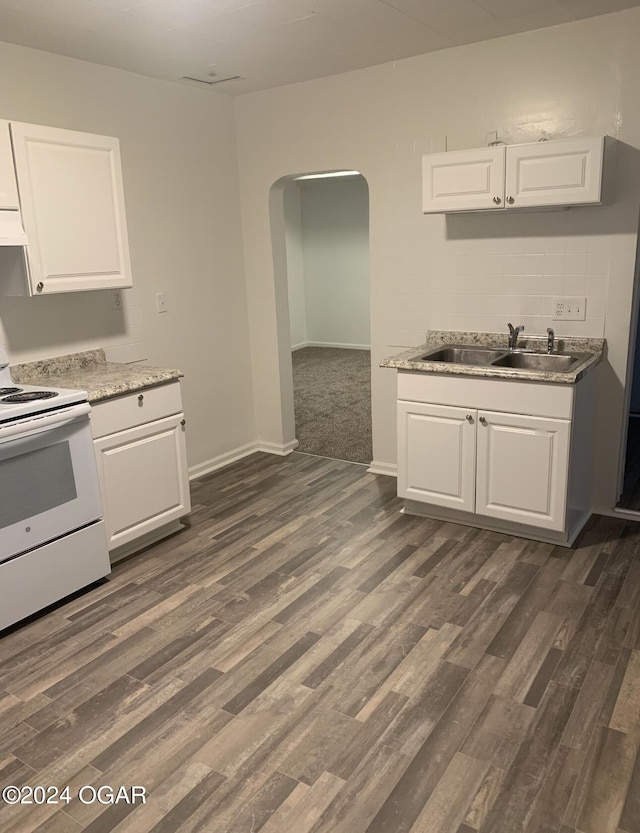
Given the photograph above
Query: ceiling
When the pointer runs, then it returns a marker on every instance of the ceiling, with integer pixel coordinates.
(269, 43)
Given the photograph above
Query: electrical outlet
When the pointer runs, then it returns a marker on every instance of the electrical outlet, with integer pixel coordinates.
(161, 302)
(116, 300)
(569, 309)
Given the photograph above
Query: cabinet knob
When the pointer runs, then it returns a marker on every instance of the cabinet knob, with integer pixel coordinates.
(140, 399)
(483, 421)
(40, 286)
(510, 200)
(469, 418)
(183, 422)
(497, 200)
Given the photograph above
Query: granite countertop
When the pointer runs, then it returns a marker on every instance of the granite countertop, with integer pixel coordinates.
(410, 359)
(90, 371)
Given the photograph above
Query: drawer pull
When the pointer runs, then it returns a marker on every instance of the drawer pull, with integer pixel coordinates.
(483, 421)
(183, 422)
(470, 419)
(141, 399)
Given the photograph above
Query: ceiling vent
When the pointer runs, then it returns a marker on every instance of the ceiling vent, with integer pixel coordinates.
(211, 82)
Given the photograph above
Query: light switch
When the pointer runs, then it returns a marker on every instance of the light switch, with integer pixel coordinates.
(161, 302)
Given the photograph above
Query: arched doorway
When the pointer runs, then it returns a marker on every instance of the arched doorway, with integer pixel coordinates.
(320, 238)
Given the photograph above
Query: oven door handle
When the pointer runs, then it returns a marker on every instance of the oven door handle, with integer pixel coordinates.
(45, 422)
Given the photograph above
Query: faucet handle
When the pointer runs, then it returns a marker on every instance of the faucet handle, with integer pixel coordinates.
(550, 339)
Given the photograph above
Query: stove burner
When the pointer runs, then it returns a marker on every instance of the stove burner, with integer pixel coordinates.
(29, 396)
(5, 391)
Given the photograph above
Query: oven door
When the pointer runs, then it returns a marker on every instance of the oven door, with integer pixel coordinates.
(48, 479)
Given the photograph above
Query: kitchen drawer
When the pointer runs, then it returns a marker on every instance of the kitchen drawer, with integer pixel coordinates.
(512, 396)
(122, 412)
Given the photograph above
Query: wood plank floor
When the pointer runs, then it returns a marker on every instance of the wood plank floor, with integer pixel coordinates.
(304, 659)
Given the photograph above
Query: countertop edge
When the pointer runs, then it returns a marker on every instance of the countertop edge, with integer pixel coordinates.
(91, 373)
(405, 361)
(112, 391)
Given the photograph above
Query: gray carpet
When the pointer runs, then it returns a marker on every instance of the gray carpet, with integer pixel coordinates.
(332, 399)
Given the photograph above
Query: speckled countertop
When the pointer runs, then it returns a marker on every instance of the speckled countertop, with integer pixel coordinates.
(411, 359)
(91, 371)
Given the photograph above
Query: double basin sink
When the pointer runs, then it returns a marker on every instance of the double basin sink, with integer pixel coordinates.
(493, 357)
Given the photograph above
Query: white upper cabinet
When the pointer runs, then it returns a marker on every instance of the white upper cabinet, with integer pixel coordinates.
(463, 180)
(564, 172)
(8, 187)
(505, 177)
(72, 204)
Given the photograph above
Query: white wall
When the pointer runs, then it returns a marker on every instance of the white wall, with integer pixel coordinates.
(471, 271)
(181, 190)
(295, 264)
(335, 246)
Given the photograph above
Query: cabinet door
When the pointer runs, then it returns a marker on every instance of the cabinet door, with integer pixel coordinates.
(436, 454)
(143, 478)
(523, 467)
(463, 180)
(554, 173)
(72, 201)
(8, 188)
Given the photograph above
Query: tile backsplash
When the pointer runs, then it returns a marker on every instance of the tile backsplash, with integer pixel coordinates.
(481, 283)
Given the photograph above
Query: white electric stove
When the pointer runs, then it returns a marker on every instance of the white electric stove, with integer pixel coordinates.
(52, 537)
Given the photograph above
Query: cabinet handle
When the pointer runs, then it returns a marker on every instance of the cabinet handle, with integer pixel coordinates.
(510, 200)
(140, 399)
(483, 421)
(183, 422)
(497, 200)
(470, 419)
(40, 286)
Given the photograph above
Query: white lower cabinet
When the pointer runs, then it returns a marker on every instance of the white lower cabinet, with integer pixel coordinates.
(140, 447)
(522, 469)
(436, 455)
(511, 471)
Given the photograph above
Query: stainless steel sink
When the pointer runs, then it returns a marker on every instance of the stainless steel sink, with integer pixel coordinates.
(546, 362)
(470, 354)
(462, 354)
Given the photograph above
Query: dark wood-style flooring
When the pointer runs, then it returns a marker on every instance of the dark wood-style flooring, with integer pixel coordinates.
(304, 659)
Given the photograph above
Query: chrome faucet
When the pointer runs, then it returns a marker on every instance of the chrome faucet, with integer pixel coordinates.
(514, 332)
(551, 336)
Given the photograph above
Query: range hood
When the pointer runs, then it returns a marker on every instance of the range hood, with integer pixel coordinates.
(11, 231)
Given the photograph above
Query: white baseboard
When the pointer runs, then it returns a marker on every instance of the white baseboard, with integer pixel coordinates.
(277, 448)
(331, 344)
(222, 460)
(441, 513)
(377, 467)
(145, 541)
